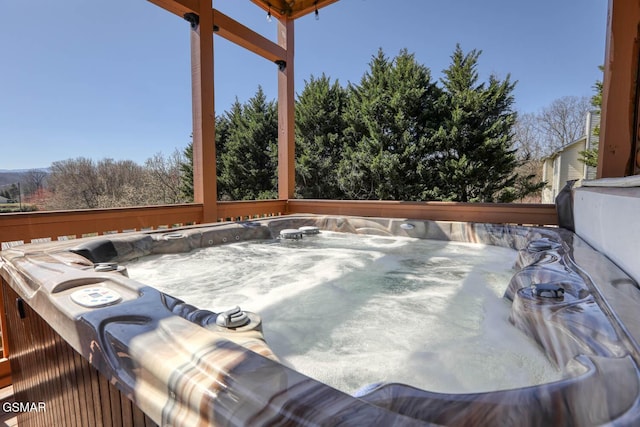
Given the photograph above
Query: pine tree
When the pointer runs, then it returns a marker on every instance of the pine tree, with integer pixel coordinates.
(319, 126)
(590, 156)
(186, 167)
(186, 173)
(474, 160)
(389, 117)
(248, 162)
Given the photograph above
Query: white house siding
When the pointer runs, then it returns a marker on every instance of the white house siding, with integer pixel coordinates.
(593, 123)
(547, 176)
(575, 168)
(564, 165)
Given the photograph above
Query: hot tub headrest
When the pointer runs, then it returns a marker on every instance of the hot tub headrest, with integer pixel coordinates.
(96, 250)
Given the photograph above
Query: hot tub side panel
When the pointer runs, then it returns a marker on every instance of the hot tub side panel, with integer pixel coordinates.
(49, 373)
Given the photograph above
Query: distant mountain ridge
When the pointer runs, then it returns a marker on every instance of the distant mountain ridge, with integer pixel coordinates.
(22, 170)
(12, 176)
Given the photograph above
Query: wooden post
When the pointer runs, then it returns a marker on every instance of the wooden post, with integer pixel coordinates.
(204, 146)
(619, 97)
(286, 117)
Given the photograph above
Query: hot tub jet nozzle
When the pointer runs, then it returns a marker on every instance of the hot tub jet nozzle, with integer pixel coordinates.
(547, 290)
(233, 318)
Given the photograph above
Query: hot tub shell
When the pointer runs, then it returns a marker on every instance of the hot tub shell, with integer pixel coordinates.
(179, 367)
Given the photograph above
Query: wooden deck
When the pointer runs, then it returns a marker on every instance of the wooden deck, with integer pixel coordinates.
(7, 419)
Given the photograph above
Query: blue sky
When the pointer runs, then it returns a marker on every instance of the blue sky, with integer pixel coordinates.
(111, 78)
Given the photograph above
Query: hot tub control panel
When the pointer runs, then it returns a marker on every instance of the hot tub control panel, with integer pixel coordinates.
(95, 297)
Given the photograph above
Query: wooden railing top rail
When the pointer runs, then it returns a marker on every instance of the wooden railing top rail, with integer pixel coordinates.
(499, 213)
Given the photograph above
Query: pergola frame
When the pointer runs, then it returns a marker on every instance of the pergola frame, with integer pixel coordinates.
(206, 21)
(619, 151)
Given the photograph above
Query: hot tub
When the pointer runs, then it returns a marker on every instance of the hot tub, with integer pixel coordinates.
(181, 364)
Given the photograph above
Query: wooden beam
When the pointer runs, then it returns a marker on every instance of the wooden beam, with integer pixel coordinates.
(227, 28)
(204, 146)
(178, 7)
(619, 96)
(286, 116)
(310, 7)
(243, 36)
(280, 9)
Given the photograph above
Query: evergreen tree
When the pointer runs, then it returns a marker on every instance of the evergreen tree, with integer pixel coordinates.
(319, 126)
(590, 156)
(474, 160)
(596, 99)
(186, 167)
(248, 162)
(222, 136)
(186, 173)
(389, 117)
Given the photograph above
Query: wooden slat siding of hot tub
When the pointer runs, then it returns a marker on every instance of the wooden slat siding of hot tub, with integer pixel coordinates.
(7, 419)
(498, 213)
(5, 372)
(5, 367)
(47, 369)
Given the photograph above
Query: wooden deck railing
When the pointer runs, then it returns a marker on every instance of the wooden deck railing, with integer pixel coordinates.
(250, 209)
(27, 227)
(54, 225)
(499, 213)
